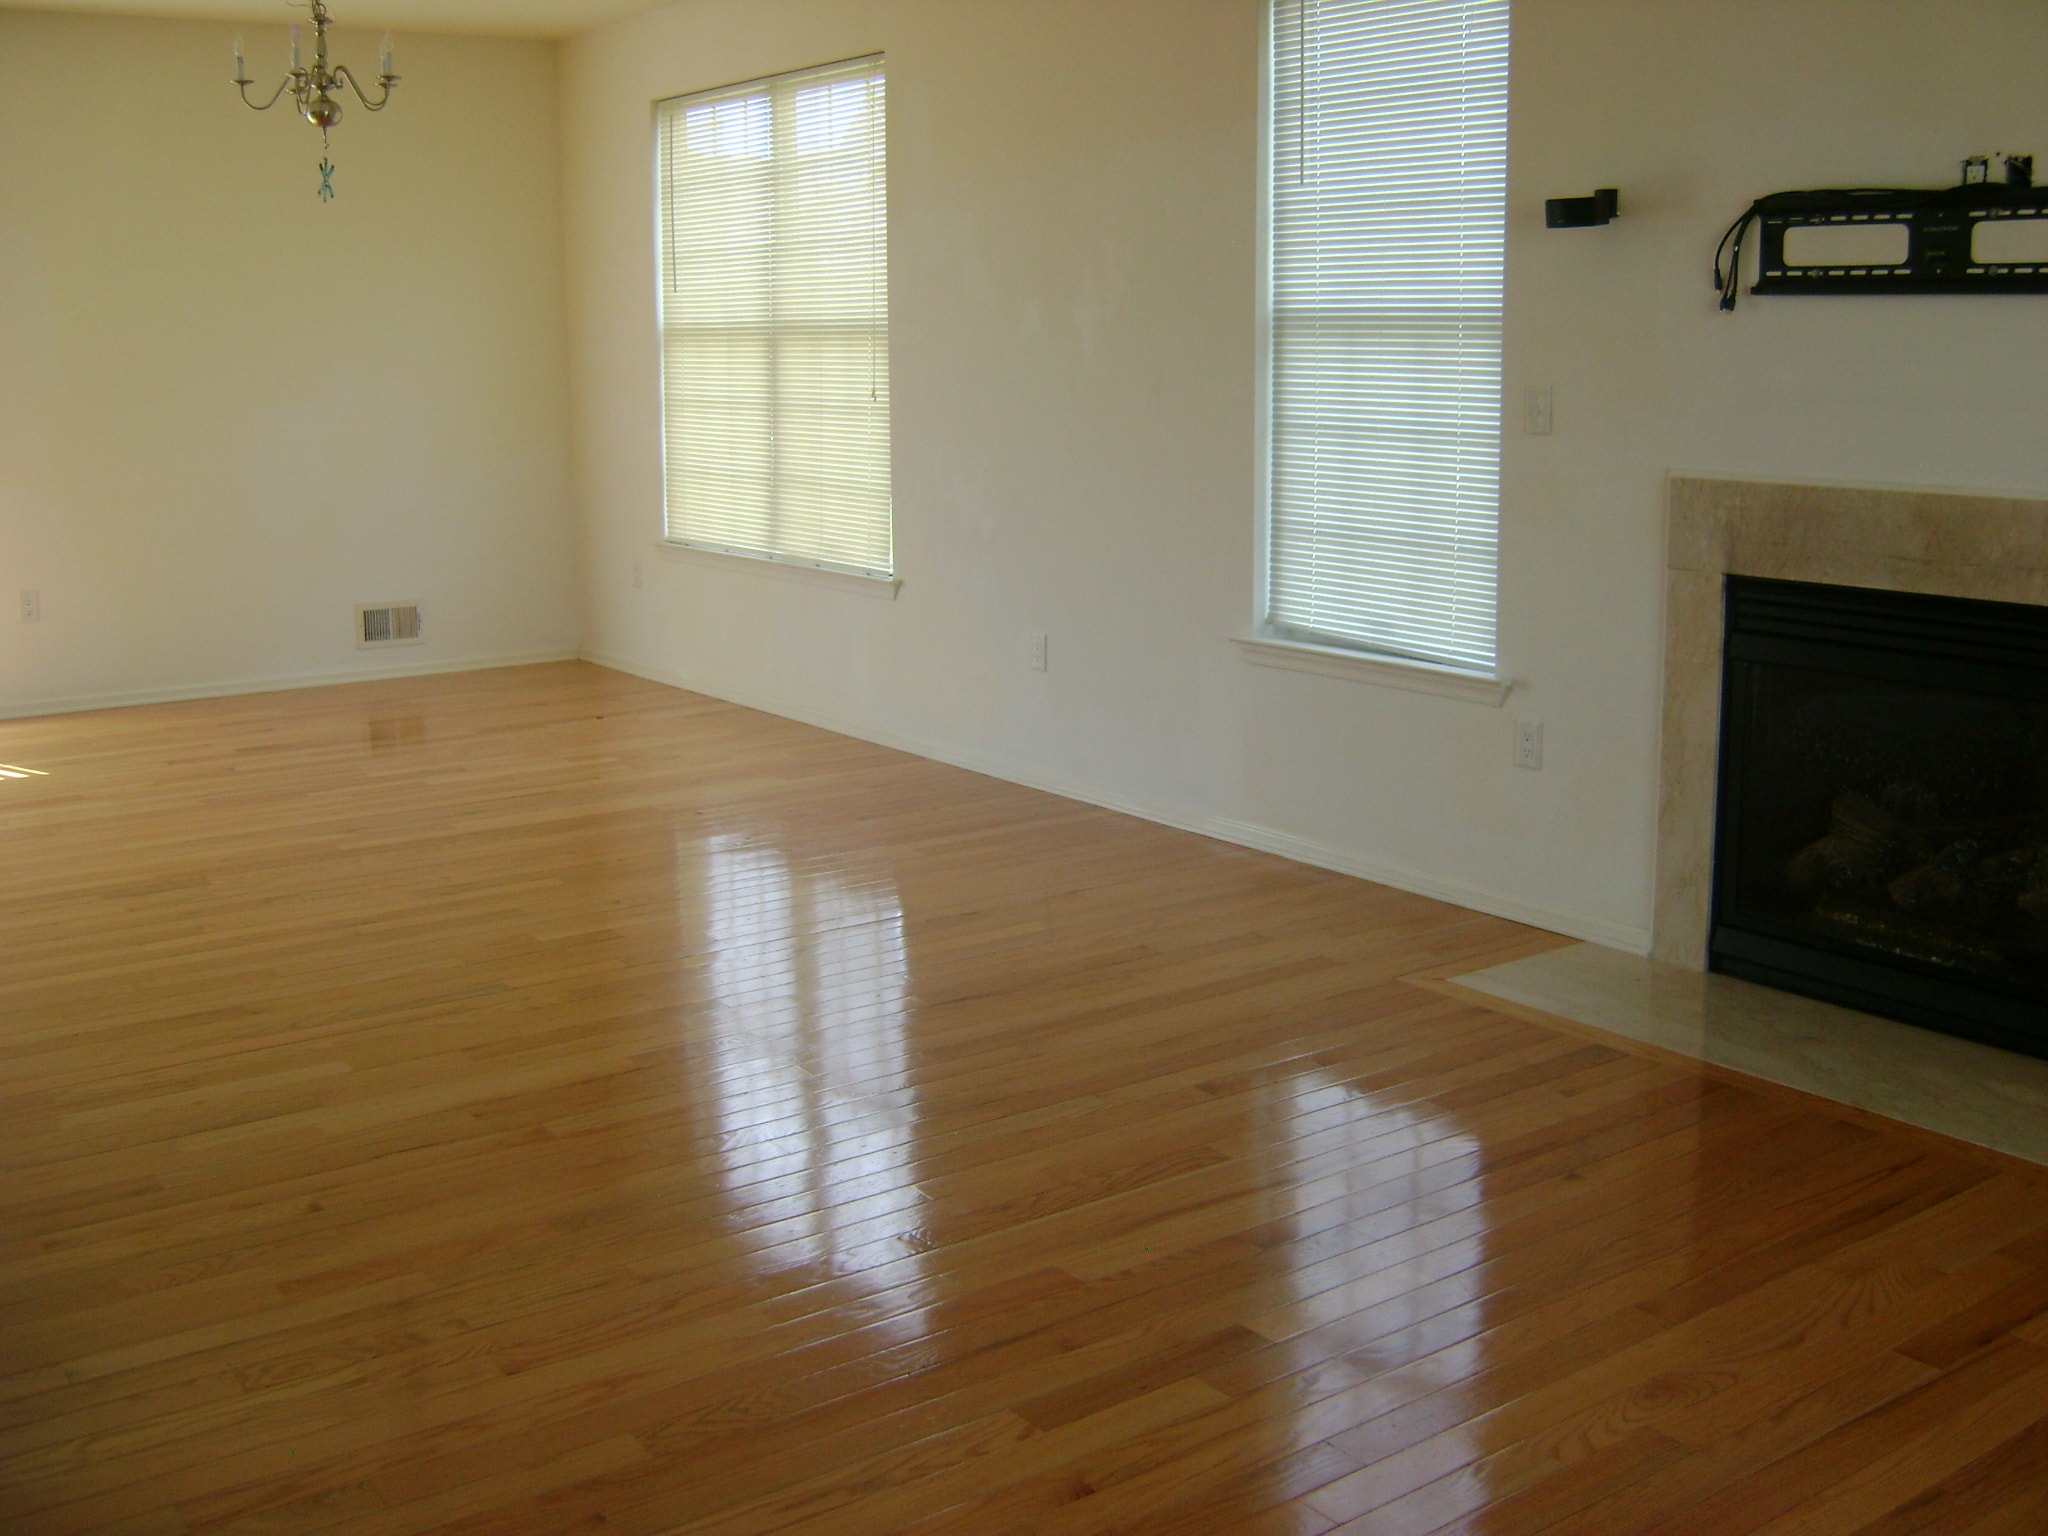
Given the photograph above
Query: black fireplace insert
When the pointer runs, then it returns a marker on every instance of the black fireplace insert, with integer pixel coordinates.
(1882, 837)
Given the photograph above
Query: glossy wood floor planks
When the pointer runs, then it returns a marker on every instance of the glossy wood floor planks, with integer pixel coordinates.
(539, 1101)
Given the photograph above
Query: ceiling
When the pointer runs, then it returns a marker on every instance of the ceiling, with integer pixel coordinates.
(511, 18)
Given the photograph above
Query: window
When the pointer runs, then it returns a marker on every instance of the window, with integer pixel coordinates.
(1387, 185)
(775, 319)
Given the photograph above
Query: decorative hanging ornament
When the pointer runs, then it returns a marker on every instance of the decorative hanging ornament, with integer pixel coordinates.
(316, 88)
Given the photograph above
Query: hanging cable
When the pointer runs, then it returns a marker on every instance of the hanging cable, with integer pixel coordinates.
(1729, 282)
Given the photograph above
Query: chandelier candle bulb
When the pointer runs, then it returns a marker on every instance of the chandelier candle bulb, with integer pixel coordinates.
(295, 50)
(241, 73)
(384, 56)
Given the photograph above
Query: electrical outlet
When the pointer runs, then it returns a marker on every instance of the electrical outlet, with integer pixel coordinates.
(638, 580)
(1528, 743)
(31, 607)
(1038, 653)
(1536, 412)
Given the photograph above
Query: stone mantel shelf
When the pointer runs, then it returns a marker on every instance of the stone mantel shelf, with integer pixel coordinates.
(1948, 544)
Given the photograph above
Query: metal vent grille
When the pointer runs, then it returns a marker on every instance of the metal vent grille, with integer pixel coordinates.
(387, 624)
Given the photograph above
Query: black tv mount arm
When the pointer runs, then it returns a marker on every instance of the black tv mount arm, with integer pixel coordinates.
(1940, 229)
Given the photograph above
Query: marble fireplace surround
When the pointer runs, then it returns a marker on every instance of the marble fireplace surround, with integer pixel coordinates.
(1954, 545)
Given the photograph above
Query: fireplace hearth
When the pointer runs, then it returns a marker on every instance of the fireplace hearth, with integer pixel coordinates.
(1882, 831)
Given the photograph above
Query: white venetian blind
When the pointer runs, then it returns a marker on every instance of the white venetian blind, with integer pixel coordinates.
(775, 318)
(1388, 178)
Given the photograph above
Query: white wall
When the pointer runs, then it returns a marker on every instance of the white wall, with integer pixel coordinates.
(228, 412)
(1073, 204)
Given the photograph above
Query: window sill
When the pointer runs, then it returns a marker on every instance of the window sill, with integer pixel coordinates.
(1386, 671)
(884, 587)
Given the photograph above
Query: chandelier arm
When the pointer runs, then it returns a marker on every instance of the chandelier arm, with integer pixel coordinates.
(243, 86)
(341, 72)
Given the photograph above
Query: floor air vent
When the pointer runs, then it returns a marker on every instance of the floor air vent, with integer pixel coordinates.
(388, 624)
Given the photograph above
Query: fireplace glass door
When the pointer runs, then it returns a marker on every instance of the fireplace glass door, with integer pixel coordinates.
(1882, 838)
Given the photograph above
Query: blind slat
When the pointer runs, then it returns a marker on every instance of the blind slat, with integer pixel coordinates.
(1389, 183)
(774, 317)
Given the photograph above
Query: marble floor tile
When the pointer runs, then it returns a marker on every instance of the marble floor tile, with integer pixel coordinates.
(1973, 1092)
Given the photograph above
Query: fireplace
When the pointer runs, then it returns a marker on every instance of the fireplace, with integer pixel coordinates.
(1881, 838)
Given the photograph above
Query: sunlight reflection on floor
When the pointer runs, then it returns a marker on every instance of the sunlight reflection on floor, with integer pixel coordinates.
(1384, 1207)
(805, 1056)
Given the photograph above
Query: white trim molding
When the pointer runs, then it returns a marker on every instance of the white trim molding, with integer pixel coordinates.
(1631, 937)
(884, 587)
(1387, 671)
(71, 704)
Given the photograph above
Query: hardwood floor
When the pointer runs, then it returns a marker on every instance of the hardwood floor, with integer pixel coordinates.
(540, 1101)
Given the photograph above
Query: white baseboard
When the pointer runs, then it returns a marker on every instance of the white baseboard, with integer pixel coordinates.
(23, 709)
(1578, 925)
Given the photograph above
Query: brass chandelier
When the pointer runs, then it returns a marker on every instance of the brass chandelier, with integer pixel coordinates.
(316, 89)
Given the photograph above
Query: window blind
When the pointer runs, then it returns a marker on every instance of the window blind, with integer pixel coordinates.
(1388, 186)
(775, 318)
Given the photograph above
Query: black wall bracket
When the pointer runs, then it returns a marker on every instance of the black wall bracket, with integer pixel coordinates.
(1582, 212)
(1940, 252)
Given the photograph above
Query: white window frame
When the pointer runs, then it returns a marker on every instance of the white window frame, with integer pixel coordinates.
(1269, 644)
(866, 579)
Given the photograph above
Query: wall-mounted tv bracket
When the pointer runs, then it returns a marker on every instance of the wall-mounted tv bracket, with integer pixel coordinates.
(1582, 212)
(1940, 230)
